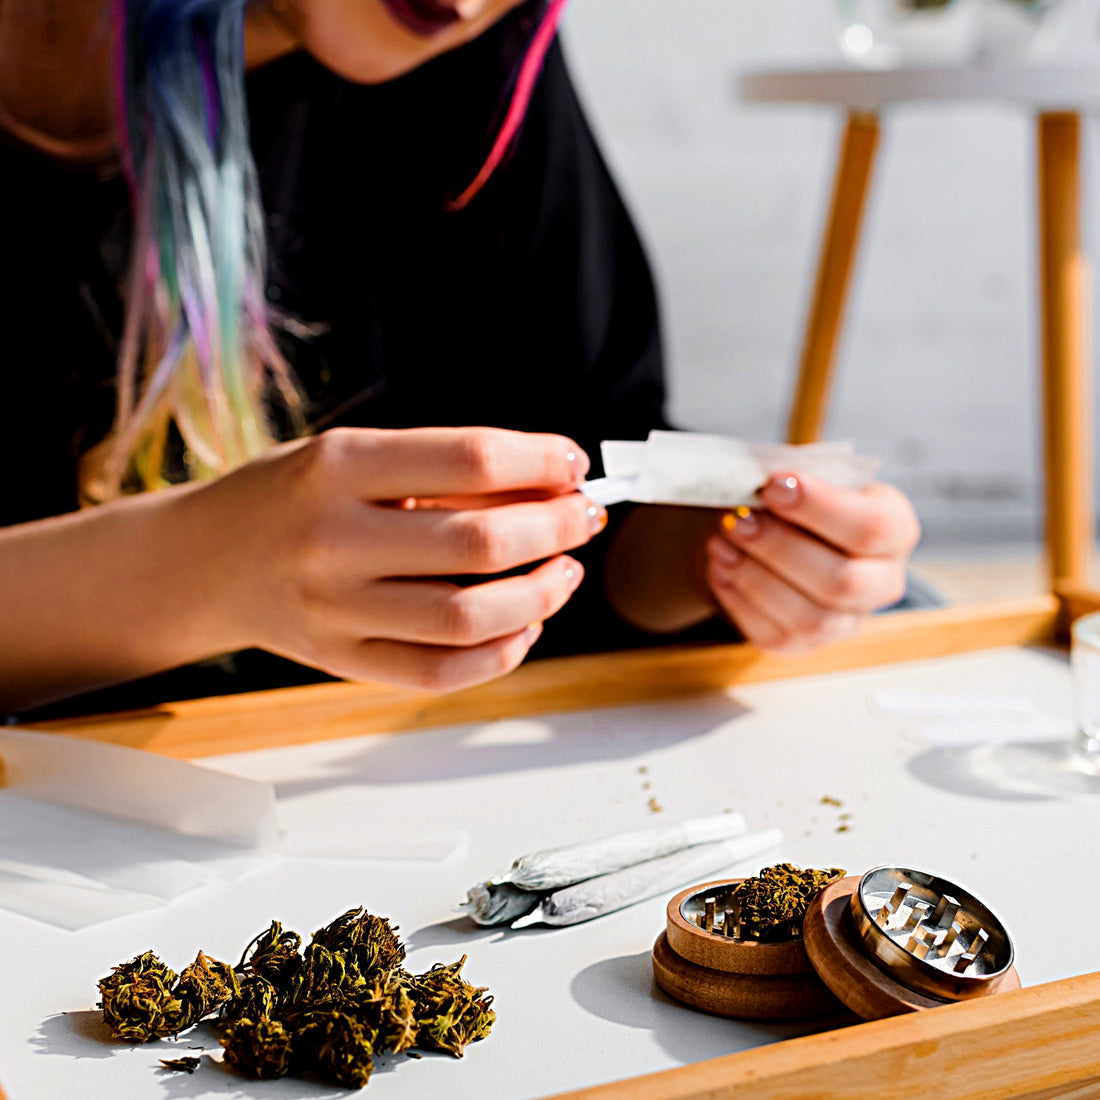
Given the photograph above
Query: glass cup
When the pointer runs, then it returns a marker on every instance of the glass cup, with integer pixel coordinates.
(881, 34)
(1086, 691)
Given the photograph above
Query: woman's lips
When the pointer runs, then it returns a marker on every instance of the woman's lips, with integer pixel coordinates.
(425, 17)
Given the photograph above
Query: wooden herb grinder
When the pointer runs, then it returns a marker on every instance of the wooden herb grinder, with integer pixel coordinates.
(699, 959)
(895, 940)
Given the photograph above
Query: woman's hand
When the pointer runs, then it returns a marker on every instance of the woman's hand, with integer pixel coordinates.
(810, 567)
(332, 550)
(314, 551)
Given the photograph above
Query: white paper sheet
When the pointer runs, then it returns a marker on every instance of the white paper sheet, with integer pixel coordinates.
(91, 831)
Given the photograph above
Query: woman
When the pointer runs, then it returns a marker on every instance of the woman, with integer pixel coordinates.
(433, 263)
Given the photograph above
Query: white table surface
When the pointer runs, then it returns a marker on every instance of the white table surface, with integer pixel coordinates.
(1044, 88)
(577, 1006)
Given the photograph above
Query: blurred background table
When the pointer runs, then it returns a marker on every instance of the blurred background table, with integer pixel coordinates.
(1057, 97)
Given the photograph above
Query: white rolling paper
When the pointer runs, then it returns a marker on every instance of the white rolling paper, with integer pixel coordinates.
(563, 866)
(713, 471)
(605, 894)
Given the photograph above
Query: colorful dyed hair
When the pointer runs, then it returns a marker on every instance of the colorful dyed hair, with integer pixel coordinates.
(523, 85)
(197, 354)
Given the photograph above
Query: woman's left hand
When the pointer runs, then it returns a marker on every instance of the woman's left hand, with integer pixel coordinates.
(813, 563)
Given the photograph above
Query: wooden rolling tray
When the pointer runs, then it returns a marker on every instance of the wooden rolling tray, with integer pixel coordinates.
(1036, 1042)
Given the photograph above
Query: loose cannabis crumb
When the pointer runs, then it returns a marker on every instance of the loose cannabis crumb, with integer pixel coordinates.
(180, 1065)
(843, 828)
(654, 806)
(643, 770)
(771, 905)
(828, 800)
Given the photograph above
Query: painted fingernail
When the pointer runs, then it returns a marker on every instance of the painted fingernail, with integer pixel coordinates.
(723, 554)
(578, 464)
(744, 526)
(731, 519)
(597, 518)
(783, 492)
(574, 574)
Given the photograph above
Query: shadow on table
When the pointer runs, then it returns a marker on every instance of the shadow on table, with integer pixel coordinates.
(83, 1034)
(622, 990)
(459, 931)
(1021, 771)
(522, 744)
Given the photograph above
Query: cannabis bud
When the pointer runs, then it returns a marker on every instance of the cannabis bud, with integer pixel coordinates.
(773, 903)
(260, 1048)
(326, 1010)
(137, 1000)
(142, 1000)
(337, 1047)
(450, 1011)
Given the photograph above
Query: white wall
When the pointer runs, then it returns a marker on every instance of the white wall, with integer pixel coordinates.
(938, 365)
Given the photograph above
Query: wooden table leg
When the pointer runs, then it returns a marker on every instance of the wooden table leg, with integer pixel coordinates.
(850, 187)
(1067, 409)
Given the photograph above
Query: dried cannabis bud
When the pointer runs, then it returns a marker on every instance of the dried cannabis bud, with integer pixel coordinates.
(274, 954)
(337, 1047)
(260, 1048)
(326, 1010)
(204, 987)
(450, 1011)
(373, 940)
(774, 902)
(142, 1000)
(137, 1000)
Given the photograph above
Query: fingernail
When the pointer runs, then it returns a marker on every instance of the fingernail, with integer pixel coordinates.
(597, 518)
(578, 464)
(531, 632)
(723, 554)
(783, 492)
(574, 574)
(743, 527)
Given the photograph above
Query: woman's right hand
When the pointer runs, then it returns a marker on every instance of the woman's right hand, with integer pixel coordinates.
(325, 550)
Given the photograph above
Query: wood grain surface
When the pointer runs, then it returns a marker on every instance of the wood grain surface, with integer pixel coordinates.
(742, 996)
(1032, 1044)
(269, 719)
(733, 956)
(1066, 374)
(851, 185)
